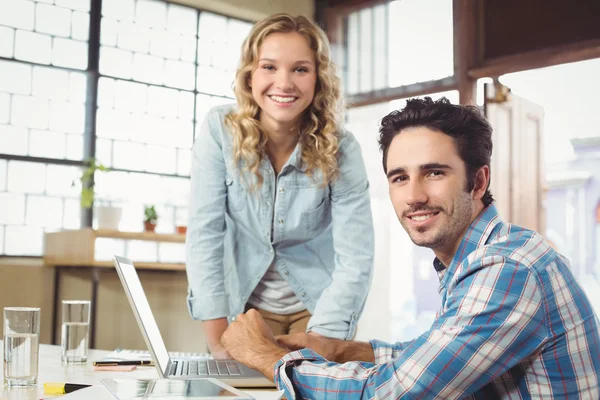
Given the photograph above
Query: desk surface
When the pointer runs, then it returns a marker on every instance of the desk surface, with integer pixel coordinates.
(51, 370)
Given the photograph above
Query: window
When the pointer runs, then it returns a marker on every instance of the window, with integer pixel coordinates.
(161, 67)
(395, 44)
(36, 197)
(43, 55)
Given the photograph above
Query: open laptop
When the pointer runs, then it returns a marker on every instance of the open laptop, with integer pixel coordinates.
(229, 371)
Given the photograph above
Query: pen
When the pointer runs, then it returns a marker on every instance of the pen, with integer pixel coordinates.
(54, 388)
(123, 362)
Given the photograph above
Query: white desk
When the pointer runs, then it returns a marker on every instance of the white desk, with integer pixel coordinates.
(51, 370)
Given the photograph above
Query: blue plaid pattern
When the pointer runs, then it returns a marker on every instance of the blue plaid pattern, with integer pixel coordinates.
(514, 324)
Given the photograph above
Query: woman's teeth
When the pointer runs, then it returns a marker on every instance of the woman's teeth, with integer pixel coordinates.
(283, 99)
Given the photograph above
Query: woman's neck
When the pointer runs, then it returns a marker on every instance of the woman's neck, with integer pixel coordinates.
(282, 137)
(280, 146)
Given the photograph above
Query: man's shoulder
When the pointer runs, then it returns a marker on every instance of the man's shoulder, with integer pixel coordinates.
(516, 245)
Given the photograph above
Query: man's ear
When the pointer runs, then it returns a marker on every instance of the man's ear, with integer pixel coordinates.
(482, 180)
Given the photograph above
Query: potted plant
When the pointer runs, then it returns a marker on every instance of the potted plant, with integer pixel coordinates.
(150, 218)
(108, 216)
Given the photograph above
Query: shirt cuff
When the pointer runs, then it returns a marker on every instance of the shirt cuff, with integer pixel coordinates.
(382, 351)
(208, 307)
(342, 335)
(332, 329)
(281, 378)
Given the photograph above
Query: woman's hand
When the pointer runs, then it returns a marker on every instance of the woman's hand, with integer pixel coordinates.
(219, 352)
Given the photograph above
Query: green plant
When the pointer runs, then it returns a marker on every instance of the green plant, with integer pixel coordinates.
(87, 187)
(150, 214)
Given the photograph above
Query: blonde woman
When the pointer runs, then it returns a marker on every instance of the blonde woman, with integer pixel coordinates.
(280, 216)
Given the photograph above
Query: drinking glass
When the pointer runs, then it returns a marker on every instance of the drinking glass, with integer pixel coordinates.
(75, 331)
(21, 330)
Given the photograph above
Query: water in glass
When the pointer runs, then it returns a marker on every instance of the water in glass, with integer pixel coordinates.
(20, 359)
(74, 342)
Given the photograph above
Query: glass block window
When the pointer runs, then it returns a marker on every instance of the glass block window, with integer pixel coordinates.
(36, 198)
(218, 54)
(132, 191)
(163, 67)
(45, 32)
(42, 111)
(397, 43)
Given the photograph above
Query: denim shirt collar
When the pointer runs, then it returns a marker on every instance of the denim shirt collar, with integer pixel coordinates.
(295, 160)
(477, 235)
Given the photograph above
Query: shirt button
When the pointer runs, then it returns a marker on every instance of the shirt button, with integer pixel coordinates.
(281, 220)
(271, 251)
(269, 203)
(281, 190)
(286, 272)
(303, 294)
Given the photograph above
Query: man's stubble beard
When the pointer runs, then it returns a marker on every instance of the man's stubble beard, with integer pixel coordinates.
(448, 231)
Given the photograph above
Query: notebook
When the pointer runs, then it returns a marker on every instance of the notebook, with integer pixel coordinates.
(229, 371)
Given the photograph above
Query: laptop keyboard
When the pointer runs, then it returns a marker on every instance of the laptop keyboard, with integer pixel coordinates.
(206, 367)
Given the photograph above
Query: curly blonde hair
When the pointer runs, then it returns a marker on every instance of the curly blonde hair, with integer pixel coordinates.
(320, 127)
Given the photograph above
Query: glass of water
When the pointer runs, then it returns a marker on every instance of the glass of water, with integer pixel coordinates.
(21, 346)
(75, 331)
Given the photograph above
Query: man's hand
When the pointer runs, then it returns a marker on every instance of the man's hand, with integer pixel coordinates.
(249, 340)
(325, 347)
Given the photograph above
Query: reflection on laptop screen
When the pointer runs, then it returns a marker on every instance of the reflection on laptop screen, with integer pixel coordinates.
(145, 315)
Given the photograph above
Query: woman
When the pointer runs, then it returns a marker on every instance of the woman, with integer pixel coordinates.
(280, 216)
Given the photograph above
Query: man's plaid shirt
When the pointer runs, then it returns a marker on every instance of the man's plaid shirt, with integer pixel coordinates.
(514, 324)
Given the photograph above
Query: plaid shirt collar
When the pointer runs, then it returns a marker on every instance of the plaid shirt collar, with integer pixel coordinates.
(477, 235)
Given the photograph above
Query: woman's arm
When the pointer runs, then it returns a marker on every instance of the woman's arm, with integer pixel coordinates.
(341, 304)
(207, 299)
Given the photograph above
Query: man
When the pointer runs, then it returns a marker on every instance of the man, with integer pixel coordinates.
(513, 324)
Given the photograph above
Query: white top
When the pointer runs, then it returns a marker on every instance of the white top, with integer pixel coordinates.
(275, 295)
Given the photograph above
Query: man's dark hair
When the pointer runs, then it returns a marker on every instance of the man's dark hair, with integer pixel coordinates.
(471, 132)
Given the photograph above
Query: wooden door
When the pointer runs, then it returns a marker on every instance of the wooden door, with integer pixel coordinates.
(517, 167)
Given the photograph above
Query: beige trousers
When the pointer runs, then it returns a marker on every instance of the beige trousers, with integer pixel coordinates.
(284, 324)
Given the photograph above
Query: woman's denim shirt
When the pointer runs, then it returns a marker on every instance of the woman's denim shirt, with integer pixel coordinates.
(319, 237)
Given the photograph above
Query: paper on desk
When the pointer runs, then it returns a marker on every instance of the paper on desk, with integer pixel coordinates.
(129, 355)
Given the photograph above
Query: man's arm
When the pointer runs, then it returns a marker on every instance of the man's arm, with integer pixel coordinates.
(340, 351)
(474, 342)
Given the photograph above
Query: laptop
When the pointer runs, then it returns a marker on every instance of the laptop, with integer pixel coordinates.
(230, 372)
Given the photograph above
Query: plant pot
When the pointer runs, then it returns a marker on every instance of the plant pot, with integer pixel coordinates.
(181, 229)
(108, 217)
(149, 226)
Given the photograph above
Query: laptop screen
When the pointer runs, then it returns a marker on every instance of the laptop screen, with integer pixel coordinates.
(139, 304)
